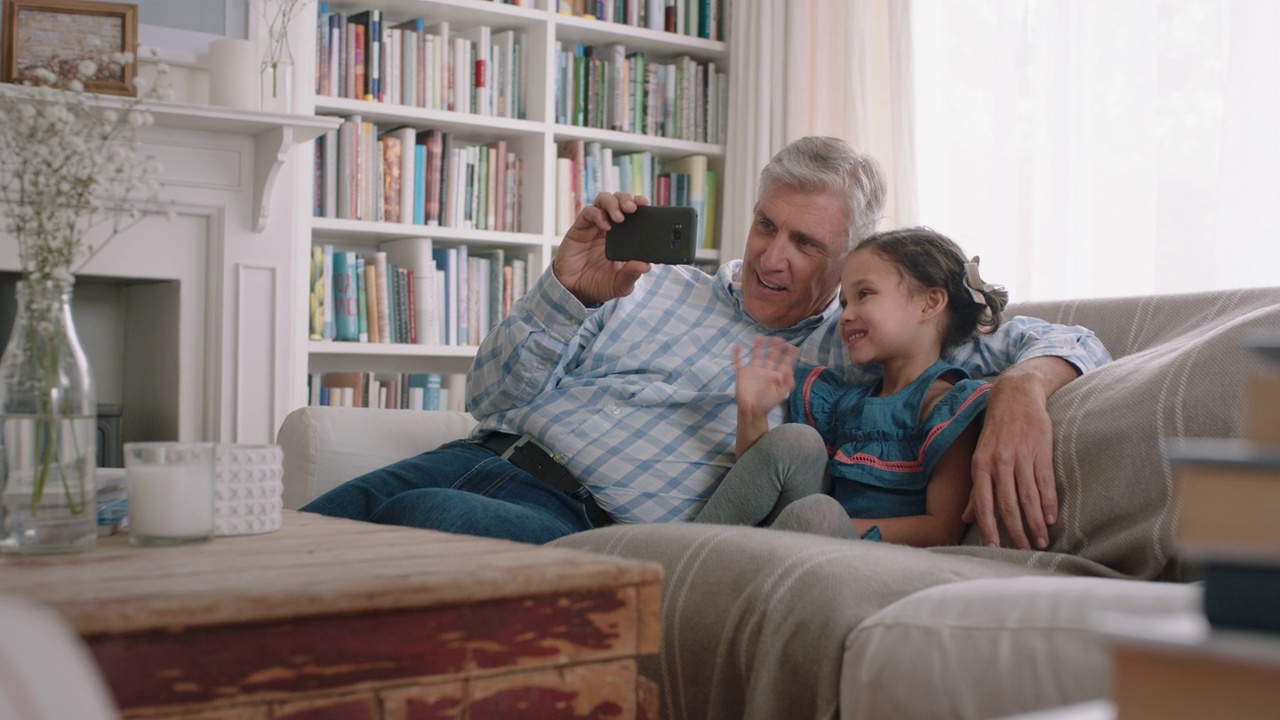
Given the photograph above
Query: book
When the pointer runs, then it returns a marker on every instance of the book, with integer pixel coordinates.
(327, 280)
(479, 38)
(417, 255)
(318, 294)
(494, 286)
(391, 168)
(371, 23)
(709, 240)
(408, 185)
(362, 300)
(351, 386)
(346, 316)
(382, 297)
(438, 36)
(695, 167)
(371, 301)
(1179, 668)
(1229, 493)
(447, 289)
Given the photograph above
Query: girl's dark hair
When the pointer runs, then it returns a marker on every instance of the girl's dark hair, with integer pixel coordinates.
(930, 259)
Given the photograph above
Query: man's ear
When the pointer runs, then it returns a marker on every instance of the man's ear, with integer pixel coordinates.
(933, 302)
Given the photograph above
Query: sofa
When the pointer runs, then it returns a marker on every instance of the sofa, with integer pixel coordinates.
(760, 623)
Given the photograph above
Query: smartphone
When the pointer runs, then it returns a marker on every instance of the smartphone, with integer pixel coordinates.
(664, 234)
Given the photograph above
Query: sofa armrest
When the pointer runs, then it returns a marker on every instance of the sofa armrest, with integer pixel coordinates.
(326, 446)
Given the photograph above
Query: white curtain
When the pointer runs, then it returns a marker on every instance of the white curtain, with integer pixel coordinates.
(816, 67)
(1096, 148)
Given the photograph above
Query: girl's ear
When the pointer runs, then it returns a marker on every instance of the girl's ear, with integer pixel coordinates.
(934, 301)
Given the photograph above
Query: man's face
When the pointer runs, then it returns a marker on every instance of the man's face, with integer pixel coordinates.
(792, 262)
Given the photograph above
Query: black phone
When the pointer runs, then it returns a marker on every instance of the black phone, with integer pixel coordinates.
(665, 234)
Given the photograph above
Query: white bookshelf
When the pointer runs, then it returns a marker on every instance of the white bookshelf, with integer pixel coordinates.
(535, 139)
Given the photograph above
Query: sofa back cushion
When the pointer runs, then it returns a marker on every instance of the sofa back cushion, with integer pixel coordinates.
(1179, 369)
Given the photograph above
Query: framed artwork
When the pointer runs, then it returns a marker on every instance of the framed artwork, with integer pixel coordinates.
(59, 34)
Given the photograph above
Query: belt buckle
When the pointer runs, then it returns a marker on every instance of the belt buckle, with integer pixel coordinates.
(523, 440)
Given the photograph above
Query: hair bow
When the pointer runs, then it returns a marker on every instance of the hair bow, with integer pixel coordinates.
(974, 282)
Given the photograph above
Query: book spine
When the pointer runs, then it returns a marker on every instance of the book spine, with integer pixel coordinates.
(371, 301)
(362, 299)
(328, 286)
(411, 307)
(380, 271)
(345, 295)
(317, 293)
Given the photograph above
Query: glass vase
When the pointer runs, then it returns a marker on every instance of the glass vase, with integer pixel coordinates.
(277, 86)
(48, 496)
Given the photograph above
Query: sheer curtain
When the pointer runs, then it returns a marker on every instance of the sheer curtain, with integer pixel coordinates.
(816, 67)
(1095, 148)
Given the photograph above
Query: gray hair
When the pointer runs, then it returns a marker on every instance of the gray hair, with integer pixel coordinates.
(820, 164)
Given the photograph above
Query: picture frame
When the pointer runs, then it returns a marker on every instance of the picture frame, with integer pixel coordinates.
(59, 34)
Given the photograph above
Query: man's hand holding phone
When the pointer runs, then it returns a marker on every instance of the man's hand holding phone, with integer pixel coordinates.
(581, 265)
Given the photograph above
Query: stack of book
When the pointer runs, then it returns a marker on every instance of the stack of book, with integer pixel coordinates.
(1225, 661)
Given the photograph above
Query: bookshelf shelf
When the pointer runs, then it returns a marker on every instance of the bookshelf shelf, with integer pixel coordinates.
(365, 232)
(625, 141)
(600, 32)
(473, 126)
(331, 356)
(537, 140)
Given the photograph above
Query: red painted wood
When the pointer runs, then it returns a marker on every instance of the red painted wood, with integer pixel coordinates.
(193, 665)
(447, 709)
(540, 703)
(354, 709)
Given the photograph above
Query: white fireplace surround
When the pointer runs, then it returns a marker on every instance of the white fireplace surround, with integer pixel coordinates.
(186, 322)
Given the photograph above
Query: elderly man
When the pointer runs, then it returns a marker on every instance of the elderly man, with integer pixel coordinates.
(608, 393)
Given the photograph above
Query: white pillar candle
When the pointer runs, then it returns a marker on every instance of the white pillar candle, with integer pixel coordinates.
(233, 74)
(170, 501)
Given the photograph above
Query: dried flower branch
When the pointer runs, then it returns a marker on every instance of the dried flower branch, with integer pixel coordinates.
(278, 14)
(70, 161)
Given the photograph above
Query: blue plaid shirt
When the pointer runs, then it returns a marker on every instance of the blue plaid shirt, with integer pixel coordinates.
(636, 397)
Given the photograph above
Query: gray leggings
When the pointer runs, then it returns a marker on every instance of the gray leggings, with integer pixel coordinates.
(780, 482)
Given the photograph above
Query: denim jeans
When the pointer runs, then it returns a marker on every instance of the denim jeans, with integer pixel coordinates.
(459, 487)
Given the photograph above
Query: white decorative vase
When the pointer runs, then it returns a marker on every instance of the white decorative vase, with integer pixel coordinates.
(247, 493)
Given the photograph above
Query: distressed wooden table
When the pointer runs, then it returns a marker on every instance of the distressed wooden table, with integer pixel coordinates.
(335, 619)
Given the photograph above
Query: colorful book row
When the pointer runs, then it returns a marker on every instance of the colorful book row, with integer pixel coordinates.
(586, 169)
(409, 291)
(422, 177)
(417, 63)
(391, 391)
(697, 18)
(604, 86)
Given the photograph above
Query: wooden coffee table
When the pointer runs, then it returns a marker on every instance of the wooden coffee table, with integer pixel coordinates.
(330, 618)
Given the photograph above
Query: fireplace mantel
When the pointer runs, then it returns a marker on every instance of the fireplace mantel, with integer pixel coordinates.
(274, 135)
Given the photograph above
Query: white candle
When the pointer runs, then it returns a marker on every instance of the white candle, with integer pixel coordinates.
(233, 74)
(170, 501)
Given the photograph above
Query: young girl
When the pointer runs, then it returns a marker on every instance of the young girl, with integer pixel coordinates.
(887, 459)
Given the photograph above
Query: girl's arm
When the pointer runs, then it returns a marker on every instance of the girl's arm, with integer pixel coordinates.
(762, 383)
(945, 500)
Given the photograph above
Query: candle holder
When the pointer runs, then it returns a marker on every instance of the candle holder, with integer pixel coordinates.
(170, 489)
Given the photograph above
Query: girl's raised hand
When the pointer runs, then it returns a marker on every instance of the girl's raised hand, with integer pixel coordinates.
(768, 376)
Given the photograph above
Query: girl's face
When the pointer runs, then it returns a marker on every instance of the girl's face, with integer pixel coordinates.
(884, 320)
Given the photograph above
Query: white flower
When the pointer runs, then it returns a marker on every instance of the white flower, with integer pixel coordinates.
(72, 162)
(87, 69)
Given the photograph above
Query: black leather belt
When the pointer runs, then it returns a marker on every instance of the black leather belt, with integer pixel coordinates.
(529, 456)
